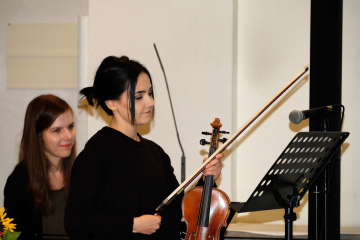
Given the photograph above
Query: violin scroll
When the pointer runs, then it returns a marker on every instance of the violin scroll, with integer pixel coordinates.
(216, 125)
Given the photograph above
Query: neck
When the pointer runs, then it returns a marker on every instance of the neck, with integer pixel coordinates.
(126, 128)
(55, 165)
(56, 176)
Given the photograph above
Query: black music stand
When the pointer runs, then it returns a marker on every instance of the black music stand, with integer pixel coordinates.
(292, 174)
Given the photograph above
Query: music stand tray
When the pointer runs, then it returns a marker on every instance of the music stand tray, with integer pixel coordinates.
(292, 174)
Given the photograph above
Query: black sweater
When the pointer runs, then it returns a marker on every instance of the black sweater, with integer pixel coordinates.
(20, 205)
(115, 179)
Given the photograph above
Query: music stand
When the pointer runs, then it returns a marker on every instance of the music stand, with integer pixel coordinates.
(292, 174)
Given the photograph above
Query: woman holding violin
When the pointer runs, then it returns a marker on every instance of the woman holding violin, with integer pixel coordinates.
(120, 178)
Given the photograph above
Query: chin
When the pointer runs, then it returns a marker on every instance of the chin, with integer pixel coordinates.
(66, 154)
(143, 122)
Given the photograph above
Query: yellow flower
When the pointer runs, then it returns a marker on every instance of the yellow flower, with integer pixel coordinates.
(6, 222)
(2, 215)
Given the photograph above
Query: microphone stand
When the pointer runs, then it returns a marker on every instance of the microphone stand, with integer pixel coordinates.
(322, 226)
(183, 159)
(322, 187)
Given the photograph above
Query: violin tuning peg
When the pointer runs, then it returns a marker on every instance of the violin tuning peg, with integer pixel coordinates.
(223, 140)
(224, 132)
(203, 142)
(206, 133)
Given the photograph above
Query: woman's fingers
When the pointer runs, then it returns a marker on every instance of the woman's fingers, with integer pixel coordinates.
(214, 167)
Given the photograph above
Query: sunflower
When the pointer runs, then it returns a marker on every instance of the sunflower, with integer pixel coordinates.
(5, 223)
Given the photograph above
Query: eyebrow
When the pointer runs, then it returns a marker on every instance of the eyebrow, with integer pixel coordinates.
(61, 127)
(143, 91)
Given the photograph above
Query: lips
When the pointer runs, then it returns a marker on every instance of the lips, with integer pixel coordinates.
(66, 145)
(148, 112)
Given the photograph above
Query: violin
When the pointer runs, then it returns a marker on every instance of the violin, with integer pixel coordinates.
(206, 209)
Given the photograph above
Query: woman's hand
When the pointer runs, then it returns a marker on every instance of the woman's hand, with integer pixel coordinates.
(213, 167)
(146, 224)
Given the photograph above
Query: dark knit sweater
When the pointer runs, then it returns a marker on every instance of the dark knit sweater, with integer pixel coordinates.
(115, 179)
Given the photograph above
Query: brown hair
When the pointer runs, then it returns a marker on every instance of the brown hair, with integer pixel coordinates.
(41, 112)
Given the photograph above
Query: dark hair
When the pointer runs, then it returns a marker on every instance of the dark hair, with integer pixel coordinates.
(115, 76)
(41, 112)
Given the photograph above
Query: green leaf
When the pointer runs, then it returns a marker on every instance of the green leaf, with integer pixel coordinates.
(11, 235)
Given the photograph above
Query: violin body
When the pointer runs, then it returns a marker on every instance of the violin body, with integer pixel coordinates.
(219, 213)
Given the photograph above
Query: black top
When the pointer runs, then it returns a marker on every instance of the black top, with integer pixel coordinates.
(20, 205)
(115, 179)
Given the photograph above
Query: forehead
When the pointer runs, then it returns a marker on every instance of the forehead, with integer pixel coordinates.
(143, 82)
(63, 119)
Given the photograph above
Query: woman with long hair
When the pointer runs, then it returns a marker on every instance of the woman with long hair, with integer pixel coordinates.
(35, 192)
(120, 178)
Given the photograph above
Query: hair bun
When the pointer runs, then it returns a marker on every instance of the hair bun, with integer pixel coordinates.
(88, 92)
(124, 59)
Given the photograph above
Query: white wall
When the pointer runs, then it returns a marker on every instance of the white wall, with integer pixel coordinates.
(194, 40)
(350, 165)
(14, 101)
(273, 45)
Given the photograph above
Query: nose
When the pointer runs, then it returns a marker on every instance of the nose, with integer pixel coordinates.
(68, 134)
(150, 102)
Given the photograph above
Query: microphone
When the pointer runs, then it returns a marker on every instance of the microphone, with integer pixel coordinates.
(297, 116)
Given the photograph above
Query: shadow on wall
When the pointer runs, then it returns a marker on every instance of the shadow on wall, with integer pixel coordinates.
(270, 215)
(100, 113)
(144, 129)
(83, 105)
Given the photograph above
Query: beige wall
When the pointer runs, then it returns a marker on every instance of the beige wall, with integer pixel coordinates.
(13, 102)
